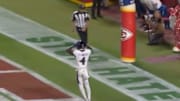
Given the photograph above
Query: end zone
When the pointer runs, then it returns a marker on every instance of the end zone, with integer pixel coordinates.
(19, 83)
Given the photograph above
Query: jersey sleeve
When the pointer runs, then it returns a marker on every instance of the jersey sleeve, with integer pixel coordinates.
(73, 16)
(87, 18)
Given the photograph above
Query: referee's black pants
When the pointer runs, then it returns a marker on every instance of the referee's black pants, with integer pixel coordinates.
(82, 34)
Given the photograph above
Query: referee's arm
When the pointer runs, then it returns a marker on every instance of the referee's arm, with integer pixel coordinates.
(73, 23)
(74, 26)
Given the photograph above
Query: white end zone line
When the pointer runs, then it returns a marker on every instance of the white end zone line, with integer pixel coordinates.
(11, 95)
(75, 99)
(39, 77)
(11, 71)
(17, 98)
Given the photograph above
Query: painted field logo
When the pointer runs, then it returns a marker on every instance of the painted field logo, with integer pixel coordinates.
(126, 78)
(126, 34)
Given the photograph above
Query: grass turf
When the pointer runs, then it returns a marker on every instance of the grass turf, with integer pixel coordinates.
(54, 70)
(103, 34)
(50, 68)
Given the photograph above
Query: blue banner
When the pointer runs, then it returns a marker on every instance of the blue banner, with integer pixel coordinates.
(126, 2)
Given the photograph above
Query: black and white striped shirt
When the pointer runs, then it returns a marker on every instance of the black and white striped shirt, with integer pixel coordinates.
(80, 18)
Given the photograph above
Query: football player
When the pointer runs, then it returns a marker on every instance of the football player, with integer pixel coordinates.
(82, 54)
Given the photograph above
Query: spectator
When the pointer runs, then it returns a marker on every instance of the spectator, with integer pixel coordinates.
(172, 17)
(146, 18)
(165, 16)
(149, 8)
(153, 5)
(149, 5)
(156, 24)
(163, 11)
(105, 4)
(140, 8)
(176, 12)
(176, 47)
(96, 8)
(170, 3)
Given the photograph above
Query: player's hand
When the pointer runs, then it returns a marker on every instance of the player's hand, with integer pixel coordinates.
(73, 30)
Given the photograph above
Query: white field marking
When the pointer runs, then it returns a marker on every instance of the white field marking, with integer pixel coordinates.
(11, 71)
(75, 99)
(2, 98)
(11, 95)
(41, 78)
(159, 79)
(98, 77)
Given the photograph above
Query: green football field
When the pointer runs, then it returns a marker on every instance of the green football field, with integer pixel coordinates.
(103, 34)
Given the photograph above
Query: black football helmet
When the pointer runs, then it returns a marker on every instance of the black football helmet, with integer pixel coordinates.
(81, 45)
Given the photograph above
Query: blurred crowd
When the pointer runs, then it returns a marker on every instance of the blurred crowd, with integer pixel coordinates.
(159, 16)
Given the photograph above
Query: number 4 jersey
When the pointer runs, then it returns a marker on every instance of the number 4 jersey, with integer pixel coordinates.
(82, 57)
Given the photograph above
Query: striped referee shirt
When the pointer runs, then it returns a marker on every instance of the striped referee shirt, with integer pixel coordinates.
(80, 18)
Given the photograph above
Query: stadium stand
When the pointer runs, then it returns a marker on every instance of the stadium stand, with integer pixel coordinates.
(112, 13)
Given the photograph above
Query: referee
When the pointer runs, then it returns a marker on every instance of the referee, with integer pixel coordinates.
(80, 19)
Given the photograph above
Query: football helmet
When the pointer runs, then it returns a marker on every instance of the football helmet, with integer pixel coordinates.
(81, 45)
